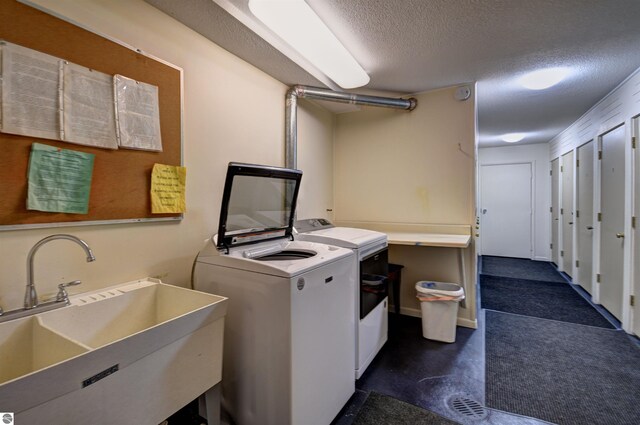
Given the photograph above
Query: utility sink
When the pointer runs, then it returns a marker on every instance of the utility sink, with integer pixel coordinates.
(106, 317)
(144, 343)
(26, 346)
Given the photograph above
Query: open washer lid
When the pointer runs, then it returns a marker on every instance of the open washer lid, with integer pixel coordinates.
(258, 204)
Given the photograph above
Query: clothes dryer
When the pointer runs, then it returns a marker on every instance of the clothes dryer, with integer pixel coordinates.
(289, 331)
(371, 274)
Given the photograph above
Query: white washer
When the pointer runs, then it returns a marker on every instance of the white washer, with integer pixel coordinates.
(371, 301)
(289, 332)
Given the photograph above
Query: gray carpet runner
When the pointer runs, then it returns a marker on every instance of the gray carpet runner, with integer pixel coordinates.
(547, 300)
(560, 372)
(520, 268)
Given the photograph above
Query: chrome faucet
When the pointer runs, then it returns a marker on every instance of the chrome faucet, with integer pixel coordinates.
(31, 304)
(30, 296)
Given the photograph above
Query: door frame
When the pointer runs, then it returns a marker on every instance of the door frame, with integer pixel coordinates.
(625, 320)
(532, 165)
(573, 240)
(551, 223)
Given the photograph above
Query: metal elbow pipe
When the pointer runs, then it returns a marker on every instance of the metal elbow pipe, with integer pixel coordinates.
(291, 111)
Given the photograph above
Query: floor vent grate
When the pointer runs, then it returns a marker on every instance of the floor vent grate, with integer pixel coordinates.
(467, 407)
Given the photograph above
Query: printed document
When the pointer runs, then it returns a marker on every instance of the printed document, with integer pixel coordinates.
(30, 92)
(137, 114)
(59, 179)
(168, 184)
(88, 111)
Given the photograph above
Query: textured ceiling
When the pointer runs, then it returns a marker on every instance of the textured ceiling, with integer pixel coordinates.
(412, 46)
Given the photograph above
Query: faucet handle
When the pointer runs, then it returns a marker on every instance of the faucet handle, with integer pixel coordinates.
(62, 295)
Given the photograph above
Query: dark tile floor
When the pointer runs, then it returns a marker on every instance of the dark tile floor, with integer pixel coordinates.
(429, 374)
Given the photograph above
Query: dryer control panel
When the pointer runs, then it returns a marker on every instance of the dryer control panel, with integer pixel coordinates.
(311, 224)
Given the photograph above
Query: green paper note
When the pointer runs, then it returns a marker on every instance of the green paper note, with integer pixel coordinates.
(59, 180)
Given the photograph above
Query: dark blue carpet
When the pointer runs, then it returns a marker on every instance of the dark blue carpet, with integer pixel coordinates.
(563, 373)
(520, 268)
(547, 300)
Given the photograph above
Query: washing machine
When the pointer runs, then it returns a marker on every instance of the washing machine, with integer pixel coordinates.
(289, 332)
(371, 274)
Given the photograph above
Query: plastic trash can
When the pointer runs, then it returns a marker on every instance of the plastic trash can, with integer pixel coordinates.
(439, 305)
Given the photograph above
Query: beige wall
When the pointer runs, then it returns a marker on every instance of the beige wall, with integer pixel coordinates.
(407, 167)
(232, 112)
(315, 159)
(413, 168)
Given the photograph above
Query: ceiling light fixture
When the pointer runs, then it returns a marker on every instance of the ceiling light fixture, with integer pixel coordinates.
(513, 137)
(544, 78)
(298, 25)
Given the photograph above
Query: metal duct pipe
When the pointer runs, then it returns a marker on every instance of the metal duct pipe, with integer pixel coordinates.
(291, 111)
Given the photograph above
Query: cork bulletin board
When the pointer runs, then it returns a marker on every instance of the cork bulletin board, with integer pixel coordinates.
(121, 178)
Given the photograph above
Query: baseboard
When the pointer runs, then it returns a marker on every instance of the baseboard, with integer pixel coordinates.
(538, 258)
(411, 312)
(465, 323)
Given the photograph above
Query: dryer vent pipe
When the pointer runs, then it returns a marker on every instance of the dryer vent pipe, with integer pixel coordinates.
(291, 111)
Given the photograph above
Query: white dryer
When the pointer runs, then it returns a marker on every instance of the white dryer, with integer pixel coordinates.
(289, 331)
(371, 293)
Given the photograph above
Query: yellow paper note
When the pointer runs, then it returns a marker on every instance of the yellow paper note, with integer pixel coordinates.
(167, 189)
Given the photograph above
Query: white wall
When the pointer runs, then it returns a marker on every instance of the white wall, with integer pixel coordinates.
(232, 112)
(621, 107)
(538, 156)
(614, 109)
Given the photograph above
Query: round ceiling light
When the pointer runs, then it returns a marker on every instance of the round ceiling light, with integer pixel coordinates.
(544, 78)
(513, 137)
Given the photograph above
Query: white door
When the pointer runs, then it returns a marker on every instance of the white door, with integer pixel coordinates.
(555, 210)
(584, 215)
(636, 251)
(505, 212)
(612, 226)
(566, 212)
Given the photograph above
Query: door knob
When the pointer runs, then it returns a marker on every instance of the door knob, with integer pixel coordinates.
(571, 222)
(619, 235)
(589, 227)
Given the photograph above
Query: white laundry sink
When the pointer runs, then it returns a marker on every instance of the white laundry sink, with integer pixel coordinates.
(110, 352)
(26, 347)
(168, 312)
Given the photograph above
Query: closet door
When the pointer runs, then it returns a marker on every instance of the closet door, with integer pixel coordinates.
(584, 216)
(612, 236)
(636, 250)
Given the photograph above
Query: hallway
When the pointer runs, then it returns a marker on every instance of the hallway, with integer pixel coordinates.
(542, 354)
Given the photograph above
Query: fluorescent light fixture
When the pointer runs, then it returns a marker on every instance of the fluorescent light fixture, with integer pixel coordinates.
(513, 137)
(544, 78)
(298, 25)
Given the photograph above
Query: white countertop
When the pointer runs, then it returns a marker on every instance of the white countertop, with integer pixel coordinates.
(437, 235)
(429, 239)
